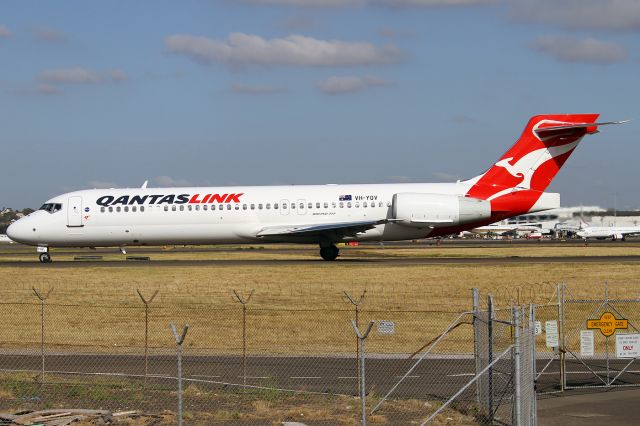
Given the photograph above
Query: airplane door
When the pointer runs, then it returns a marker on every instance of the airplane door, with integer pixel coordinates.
(302, 208)
(284, 207)
(74, 211)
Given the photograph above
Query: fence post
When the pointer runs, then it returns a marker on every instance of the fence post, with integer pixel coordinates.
(533, 415)
(356, 302)
(179, 342)
(146, 330)
(363, 394)
(561, 343)
(244, 303)
(476, 339)
(43, 298)
(517, 394)
(490, 319)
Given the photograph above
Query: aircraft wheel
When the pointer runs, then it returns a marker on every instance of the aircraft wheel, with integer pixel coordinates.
(329, 253)
(45, 258)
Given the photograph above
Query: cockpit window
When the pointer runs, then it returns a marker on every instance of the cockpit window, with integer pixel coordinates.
(51, 207)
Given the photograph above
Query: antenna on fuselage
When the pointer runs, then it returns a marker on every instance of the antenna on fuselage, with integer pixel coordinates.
(144, 185)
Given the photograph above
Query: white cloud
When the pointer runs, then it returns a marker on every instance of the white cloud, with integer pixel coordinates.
(239, 50)
(77, 75)
(49, 35)
(168, 181)
(311, 3)
(40, 89)
(393, 3)
(587, 50)
(348, 84)
(436, 3)
(248, 89)
(618, 15)
(80, 75)
(117, 75)
(4, 32)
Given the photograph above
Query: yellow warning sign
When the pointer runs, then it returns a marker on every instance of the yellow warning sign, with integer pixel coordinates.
(607, 324)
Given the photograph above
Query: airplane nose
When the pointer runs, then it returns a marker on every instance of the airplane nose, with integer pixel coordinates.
(18, 231)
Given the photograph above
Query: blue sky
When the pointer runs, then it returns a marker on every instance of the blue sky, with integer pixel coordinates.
(217, 92)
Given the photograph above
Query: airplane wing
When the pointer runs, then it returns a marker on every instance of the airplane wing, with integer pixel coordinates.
(337, 229)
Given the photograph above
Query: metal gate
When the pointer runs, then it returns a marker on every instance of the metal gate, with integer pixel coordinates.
(601, 342)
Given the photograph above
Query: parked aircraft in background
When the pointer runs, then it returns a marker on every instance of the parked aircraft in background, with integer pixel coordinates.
(318, 214)
(604, 232)
(506, 229)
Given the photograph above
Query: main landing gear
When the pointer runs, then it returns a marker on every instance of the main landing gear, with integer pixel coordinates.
(45, 258)
(329, 252)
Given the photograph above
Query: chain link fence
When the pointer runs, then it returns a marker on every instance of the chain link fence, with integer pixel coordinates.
(249, 363)
(254, 359)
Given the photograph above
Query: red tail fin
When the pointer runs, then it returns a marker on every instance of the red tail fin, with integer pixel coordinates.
(532, 163)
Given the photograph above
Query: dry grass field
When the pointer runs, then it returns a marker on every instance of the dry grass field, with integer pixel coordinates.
(295, 307)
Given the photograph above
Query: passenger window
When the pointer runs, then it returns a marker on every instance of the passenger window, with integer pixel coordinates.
(244, 207)
(197, 207)
(102, 209)
(317, 205)
(110, 209)
(118, 209)
(134, 209)
(166, 208)
(326, 205)
(301, 205)
(205, 208)
(380, 204)
(173, 208)
(349, 204)
(259, 206)
(364, 204)
(237, 206)
(253, 206)
(189, 207)
(275, 206)
(293, 206)
(228, 206)
(126, 208)
(357, 205)
(333, 204)
(182, 208)
(341, 204)
(142, 208)
(268, 206)
(310, 205)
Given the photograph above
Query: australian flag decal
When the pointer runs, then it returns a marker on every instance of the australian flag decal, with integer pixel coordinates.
(344, 198)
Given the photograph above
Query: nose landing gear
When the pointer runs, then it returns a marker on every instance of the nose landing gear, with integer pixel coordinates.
(45, 258)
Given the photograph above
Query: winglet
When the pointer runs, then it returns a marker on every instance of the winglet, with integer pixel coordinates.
(144, 185)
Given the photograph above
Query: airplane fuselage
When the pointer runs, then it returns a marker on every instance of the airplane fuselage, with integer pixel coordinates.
(200, 215)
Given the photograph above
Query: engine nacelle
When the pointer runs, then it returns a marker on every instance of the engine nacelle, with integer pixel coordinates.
(438, 210)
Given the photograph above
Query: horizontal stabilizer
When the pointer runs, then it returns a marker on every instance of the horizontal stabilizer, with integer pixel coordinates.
(591, 127)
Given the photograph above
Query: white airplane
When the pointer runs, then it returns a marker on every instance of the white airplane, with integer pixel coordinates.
(319, 214)
(603, 232)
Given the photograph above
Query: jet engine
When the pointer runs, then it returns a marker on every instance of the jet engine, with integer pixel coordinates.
(438, 210)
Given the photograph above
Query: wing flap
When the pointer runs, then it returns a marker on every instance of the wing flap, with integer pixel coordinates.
(343, 228)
